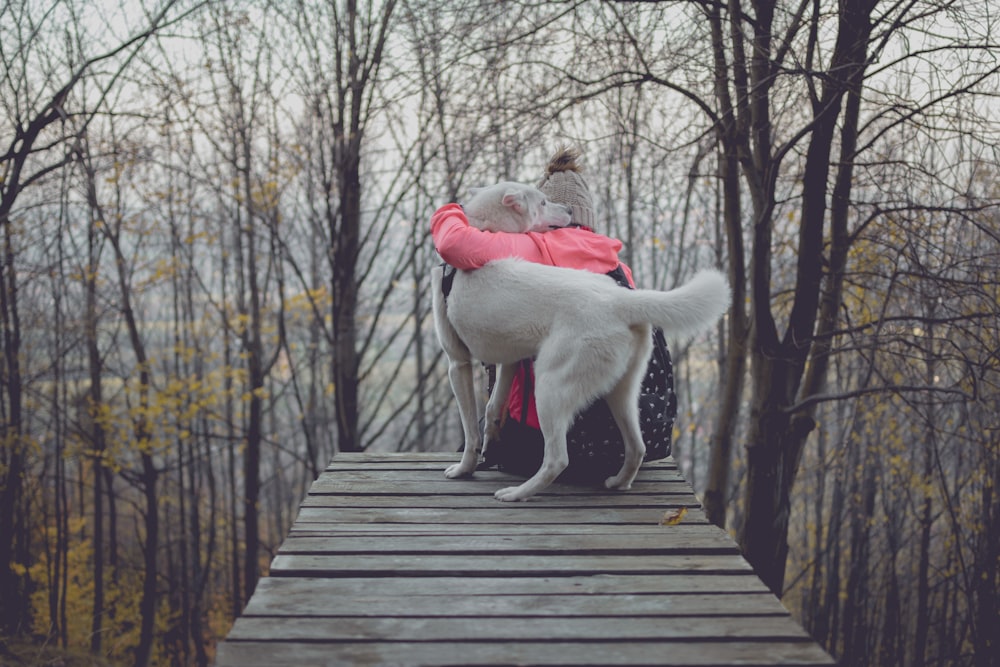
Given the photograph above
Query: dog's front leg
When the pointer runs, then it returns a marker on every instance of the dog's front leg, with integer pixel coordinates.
(496, 404)
(463, 386)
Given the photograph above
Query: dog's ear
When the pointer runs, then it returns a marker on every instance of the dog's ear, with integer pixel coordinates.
(515, 200)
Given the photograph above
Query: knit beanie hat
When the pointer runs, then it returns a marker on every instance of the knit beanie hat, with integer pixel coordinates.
(563, 184)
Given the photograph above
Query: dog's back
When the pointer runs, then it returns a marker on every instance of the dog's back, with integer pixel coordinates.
(505, 310)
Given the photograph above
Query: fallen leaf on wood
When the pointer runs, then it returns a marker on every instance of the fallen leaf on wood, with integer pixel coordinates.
(673, 518)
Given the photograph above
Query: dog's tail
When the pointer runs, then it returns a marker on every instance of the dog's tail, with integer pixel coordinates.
(684, 310)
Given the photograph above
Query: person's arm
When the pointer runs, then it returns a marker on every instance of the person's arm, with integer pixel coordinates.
(466, 247)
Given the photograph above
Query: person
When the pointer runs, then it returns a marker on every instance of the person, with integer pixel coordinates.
(594, 442)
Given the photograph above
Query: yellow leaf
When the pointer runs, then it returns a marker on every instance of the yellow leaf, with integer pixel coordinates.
(673, 518)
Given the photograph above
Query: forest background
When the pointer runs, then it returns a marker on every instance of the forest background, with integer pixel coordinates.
(214, 227)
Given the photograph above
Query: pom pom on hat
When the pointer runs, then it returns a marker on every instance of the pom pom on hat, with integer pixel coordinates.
(563, 184)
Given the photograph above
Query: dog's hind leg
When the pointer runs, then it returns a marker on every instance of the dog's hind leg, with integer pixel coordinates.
(624, 403)
(624, 407)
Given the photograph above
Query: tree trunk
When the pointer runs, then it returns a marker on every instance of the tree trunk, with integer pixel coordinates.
(728, 132)
(988, 571)
(812, 610)
(778, 431)
(256, 369)
(775, 442)
(142, 436)
(737, 335)
(358, 47)
(232, 446)
(97, 442)
(148, 603)
(923, 584)
(15, 613)
(856, 609)
(825, 630)
(251, 470)
(346, 244)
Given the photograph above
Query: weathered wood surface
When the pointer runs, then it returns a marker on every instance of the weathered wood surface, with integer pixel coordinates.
(389, 563)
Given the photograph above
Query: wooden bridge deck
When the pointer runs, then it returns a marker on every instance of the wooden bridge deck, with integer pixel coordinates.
(391, 563)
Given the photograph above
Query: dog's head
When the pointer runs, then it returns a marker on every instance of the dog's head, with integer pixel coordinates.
(514, 207)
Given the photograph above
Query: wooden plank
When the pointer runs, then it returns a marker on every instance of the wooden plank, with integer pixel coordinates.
(415, 565)
(448, 530)
(396, 486)
(681, 531)
(382, 601)
(653, 653)
(409, 460)
(477, 487)
(487, 501)
(647, 471)
(438, 466)
(460, 629)
(393, 458)
(311, 595)
(705, 543)
(495, 513)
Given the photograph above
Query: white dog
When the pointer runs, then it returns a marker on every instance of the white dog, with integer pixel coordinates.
(590, 337)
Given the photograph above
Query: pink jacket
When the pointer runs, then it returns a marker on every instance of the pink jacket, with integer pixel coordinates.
(466, 247)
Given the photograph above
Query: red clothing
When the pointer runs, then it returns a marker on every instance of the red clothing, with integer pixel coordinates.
(466, 247)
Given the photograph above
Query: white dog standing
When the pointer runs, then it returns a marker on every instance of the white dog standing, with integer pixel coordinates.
(589, 337)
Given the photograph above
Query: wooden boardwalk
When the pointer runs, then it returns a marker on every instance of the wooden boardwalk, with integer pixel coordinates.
(389, 563)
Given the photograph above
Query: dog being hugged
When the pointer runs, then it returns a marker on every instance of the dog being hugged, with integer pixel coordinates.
(589, 337)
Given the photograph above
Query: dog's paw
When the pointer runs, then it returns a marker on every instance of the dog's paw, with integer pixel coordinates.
(510, 494)
(617, 484)
(457, 470)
